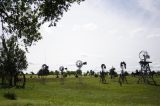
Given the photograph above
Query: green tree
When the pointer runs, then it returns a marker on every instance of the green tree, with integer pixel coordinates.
(23, 18)
(57, 73)
(44, 71)
(12, 59)
(51, 73)
(112, 72)
(92, 73)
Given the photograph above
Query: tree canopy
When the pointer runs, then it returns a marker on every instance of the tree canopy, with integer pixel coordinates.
(12, 60)
(44, 70)
(13, 57)
(23, 18)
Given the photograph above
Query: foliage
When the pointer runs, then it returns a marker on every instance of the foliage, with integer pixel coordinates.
(32, 73)
(65, 75)
(10, 95)
(44, 70)
(79, 72)
(92, 73)
(126, 73)
(113, 73)
(57, 73)
(23, 18)
(96, 75)
(12, 59)
(158, 73)
(71, 72)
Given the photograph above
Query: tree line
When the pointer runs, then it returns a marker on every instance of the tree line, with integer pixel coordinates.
(44, 71)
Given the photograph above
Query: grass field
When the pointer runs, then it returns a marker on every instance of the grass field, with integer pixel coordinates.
(51, 92)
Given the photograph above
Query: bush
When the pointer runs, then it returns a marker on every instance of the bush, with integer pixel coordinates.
(96, 75)
(76, 76)
(116, 75)
(57, 76)
(126, 73)
(65, 75)
(85, 74)
(10, 96)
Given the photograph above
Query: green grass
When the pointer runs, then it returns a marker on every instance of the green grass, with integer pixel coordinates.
(90, 92)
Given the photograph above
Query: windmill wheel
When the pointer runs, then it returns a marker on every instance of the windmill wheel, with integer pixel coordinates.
(103, 66)
(143, 55)
(123, 65)
(79, 63)
(61, 68)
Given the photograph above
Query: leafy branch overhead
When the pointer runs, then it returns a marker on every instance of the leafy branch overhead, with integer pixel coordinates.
(23, 18)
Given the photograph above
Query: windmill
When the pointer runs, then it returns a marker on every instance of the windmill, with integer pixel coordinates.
(79, 65)
(102, 74)
(145, 72)
(61, 69)
(122, 77)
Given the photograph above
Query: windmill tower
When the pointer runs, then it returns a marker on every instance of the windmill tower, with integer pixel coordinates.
(145, 72)
(122, 77)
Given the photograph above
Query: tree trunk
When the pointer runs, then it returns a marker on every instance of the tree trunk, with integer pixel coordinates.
(11, 81)
(2, 80)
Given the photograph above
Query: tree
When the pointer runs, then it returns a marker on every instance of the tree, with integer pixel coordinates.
(32, 73)
(23, 18)
(57, 73)
(112, 72)
(44, 71)
(126, 73)
(92, 73)
(12, 59)
(88, 73)
(51, 73)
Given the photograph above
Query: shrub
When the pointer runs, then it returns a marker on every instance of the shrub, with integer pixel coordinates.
(65, 75)
(76, 76)
(10, 95)
(96, 75)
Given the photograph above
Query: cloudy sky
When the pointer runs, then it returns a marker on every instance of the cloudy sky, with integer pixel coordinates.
(101, 31)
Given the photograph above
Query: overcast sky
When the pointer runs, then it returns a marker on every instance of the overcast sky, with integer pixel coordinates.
(100, 31)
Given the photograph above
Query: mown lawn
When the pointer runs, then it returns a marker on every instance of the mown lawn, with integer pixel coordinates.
(51, 92)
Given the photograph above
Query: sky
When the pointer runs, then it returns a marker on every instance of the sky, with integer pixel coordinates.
(100, 32)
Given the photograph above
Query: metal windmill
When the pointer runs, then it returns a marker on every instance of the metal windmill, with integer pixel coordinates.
(61, 68)
(122, 77)
(102, 74)
(145, 72)
(79, 64)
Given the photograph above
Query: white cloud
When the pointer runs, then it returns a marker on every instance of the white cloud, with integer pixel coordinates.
(137, 32)
(155, 33)
(146, 4)
(153, 36)
(150, 5)
(155, 65)
(76, 28)
(146, 32)
(90, 27)
(84, 27)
